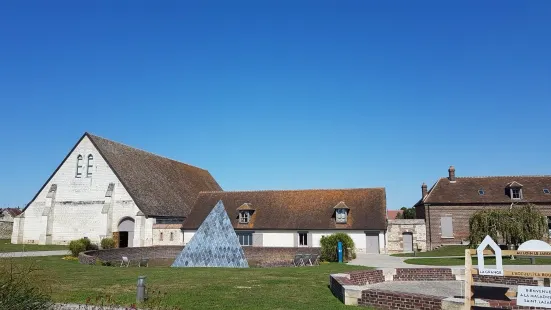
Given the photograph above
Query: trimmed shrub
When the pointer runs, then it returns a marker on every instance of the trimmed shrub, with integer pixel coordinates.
(76, 246)
(107, 243)
(81, 245)
(329, 247)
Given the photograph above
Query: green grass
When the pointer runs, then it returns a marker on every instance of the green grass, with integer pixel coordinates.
(192, 288)
(488, 261)
(447, 250)
(7, 246)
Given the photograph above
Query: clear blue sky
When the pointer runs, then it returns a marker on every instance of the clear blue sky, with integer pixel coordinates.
(283, 94)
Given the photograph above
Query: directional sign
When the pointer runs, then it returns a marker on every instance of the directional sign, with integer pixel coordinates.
(490, 292)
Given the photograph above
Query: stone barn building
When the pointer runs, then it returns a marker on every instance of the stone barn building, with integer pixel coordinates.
(6, 221)
(106, 189)
(451, 201)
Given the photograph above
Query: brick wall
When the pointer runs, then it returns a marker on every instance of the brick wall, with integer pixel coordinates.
(388, 300)
(498, 304)
(363, 277)
(460, 221)
(257, 256)
(336, 286)
(506, 280)
(424, 274)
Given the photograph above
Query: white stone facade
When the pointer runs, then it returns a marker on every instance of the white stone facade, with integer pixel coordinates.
(290, 238)
(70, 207)
(395, 235)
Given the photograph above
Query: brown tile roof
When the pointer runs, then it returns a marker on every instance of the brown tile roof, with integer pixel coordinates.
(297, 209)
(391, 214)
(465, 190)
(158, 185)
(11, 211)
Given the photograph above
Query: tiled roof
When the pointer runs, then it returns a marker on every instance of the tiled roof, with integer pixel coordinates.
(11, 211)
(465, 190)
(296, 209)
(158, 185)
(392, 214)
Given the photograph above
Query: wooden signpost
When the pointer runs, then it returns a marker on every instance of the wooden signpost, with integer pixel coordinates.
(529, 296)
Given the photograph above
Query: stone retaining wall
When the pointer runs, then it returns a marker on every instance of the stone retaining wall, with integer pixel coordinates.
(390, 300)
(257, 256)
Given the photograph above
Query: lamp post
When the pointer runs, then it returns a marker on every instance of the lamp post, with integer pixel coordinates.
(141, 293)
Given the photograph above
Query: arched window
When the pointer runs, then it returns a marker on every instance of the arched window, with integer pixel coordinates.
(161, 237)
(90, 165)
(79, 166)
(171, 236)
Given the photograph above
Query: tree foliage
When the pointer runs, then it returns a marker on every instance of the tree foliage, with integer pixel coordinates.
(510, 226)
(407, 213)
(329, 247)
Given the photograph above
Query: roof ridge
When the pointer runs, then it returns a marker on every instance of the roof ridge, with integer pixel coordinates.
(292, 190)
(504, 176)
(141, 150)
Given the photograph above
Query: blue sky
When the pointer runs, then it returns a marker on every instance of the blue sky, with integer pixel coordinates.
(280, 94)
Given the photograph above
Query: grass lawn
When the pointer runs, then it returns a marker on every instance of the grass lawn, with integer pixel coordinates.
(487, 261)
(191, 288)
(7, 246)
(447, 250)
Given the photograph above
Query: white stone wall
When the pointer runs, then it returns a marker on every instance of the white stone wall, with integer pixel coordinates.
(286, 238)
(395, 231)
(78, 203)
(188, 234)
(178, 236)
(279, 238)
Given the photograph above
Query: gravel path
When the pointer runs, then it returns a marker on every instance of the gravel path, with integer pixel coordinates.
(434, 288)
(34, 253)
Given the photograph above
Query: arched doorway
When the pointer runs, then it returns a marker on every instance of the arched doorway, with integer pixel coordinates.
(126, 232)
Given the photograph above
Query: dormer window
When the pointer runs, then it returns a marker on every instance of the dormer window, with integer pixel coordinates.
(546, 191)
(341, 213)
(481, 192)
(245, 213)
(516, 193)
(244, 217)
(515, 190)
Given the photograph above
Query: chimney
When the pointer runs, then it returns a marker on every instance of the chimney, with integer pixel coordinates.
(451, 172)
(424, 190)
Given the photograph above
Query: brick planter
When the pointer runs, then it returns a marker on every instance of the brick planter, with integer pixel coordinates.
(390, 300)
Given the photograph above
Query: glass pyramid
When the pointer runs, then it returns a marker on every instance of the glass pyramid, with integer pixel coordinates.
(215, 244)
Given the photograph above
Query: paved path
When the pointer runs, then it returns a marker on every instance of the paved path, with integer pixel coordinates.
(387, 261)
(34, 253)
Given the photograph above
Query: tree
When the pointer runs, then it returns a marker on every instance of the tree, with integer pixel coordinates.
(511, 226)
(407, 213)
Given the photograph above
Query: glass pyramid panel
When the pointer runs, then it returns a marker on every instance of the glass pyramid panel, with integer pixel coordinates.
(215, 244)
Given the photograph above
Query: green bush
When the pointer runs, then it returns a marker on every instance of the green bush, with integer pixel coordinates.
(18, 291)
(76, 246)
(107, 243)
(329, 247)
(81, 245)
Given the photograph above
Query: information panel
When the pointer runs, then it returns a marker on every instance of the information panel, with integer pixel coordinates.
(534, 296)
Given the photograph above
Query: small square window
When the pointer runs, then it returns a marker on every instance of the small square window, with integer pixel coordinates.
(546, 190)
(245, 239)
(515, 193)
(481, 192)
